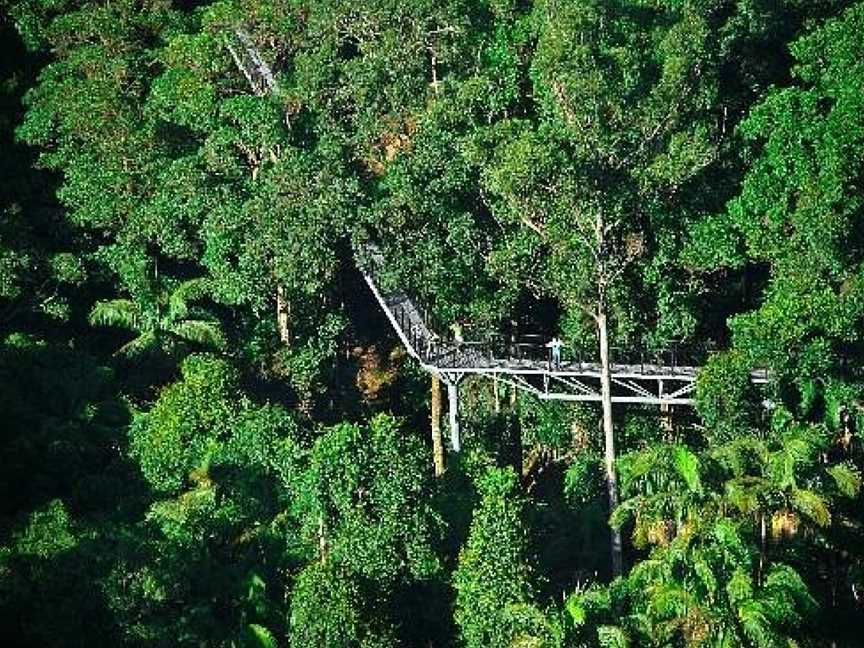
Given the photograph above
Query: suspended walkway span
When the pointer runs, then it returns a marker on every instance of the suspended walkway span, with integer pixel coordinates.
(656, 378)
(662, 378)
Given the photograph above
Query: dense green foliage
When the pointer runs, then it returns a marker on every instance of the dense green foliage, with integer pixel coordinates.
(210, 436)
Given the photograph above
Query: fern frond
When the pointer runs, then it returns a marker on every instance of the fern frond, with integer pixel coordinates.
(122, 313)
(185, 293)
(847, 477)
(147, 342)
(688, 468)
(261, 637)
(202, 332)
(812, 506)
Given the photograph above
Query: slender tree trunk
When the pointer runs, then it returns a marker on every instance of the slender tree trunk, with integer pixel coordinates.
(608, 435)
(496, 393)
(665, 416)
(322, 539)
(283, 315)
(434, 71)
(453, 411)
(762, 536)
(437, 441)
(516, 446)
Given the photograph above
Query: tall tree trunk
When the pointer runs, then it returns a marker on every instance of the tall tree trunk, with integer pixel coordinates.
(608, 435)
(322, 539)
(762, 552)
(496, 393)
(665, 416)
(437, 441)
(453, 411)
(283, 315)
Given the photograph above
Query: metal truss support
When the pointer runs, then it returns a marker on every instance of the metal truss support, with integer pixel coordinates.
(683, 391)
(578, 385)
(634, 389)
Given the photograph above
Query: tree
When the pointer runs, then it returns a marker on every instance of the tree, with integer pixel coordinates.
(493, 581)
(162, 321)
(796, 216)
(39, 256)
(64, 486)
(625, 121)
(710, 578)
(619, 171)
(327, 610)
(353, 499)
(216, 536)
(87, 115)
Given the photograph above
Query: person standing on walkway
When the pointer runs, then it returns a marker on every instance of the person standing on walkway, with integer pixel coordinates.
(456, 329)
(554, 345)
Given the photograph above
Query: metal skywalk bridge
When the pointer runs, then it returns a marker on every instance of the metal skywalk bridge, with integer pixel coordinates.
(659, 378)
(656, 378)
(662, 378)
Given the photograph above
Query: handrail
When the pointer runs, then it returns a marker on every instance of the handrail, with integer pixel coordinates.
(430, 346)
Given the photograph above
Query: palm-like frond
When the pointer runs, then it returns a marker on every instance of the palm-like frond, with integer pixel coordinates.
(162, 319)
(123, 313)
(147, 342)
(185, 293)
(756, 624)
(847, 477)
(687, 466)
(261, 637)
(811, 505)
(203, 332)
(786, 594)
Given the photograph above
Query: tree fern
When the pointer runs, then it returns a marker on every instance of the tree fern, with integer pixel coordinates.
(162, 321)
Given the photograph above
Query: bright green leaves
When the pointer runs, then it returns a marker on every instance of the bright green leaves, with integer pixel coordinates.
(362, 506)
(185, 98)
(662, 489)
(163, 321)
(712, 243)
(493, 580)
(607, 75)
(184, 428)
(88, 113)
(325, 609)
(587, 68)
(363, 502)
(725, 396)
(224, 467)
(48, 533)
(847, 477)
(698, 590)
(624, 125)
(204, 420)
(197, 72)
(687, 466)
(798, 204)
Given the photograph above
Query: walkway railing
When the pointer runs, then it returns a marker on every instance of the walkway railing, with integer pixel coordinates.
(423, 334)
